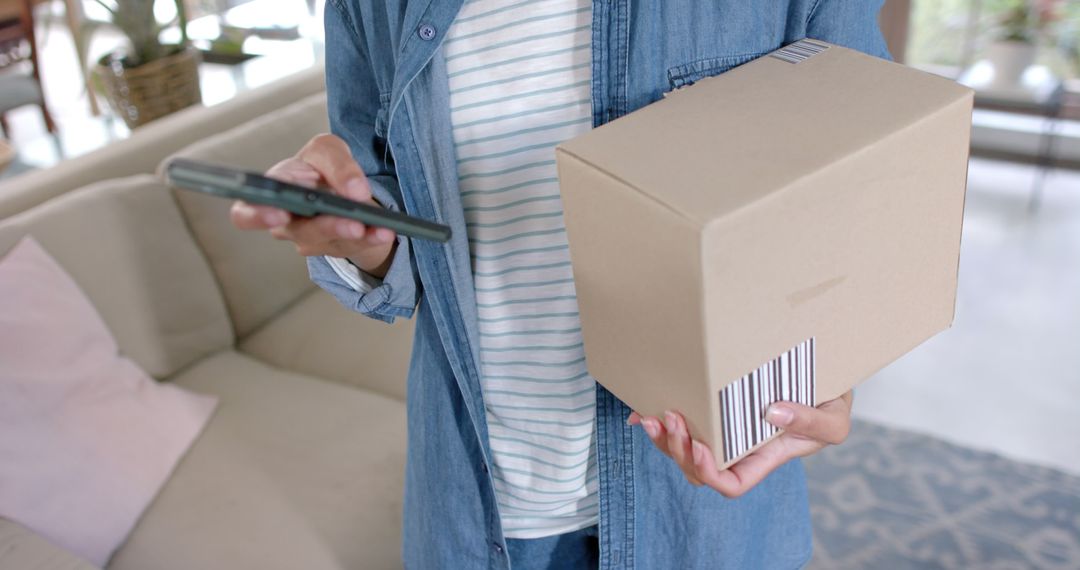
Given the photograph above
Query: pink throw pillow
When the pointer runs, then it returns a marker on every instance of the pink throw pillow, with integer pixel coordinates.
(87, 439)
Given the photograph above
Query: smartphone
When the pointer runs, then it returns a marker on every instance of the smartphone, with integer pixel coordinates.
(254, 188)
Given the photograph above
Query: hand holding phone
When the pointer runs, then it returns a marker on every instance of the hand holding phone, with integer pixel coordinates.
(307, 202)
(324, 161)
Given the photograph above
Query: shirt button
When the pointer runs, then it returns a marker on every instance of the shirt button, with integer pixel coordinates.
(498, 547)
(616, 472)
(483, 466)
(616, 557)
(426, 32)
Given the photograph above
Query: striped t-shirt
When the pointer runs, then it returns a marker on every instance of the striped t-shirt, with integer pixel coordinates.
(519, 84)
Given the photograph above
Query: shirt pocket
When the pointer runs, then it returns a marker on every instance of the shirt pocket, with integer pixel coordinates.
(689, 73)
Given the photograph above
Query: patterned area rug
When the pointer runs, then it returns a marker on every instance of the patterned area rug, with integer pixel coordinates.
(896, 500)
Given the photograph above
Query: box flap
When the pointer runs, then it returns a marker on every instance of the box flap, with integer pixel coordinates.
(739, 113)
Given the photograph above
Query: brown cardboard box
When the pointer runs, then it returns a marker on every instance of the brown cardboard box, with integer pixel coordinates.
(811, 199)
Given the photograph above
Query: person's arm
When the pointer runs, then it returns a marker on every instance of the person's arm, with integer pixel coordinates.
(807, 430)
(368, 269)
(390, 287)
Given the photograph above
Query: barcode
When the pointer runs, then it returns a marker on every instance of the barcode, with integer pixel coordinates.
(789, 377)
(799, 51)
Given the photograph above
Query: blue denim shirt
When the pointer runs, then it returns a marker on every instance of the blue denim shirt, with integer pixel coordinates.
(388, 98)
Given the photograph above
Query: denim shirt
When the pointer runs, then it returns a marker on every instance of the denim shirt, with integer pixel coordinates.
(388, 99)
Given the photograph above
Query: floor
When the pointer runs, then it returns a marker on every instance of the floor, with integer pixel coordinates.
(1006, 376)
(897, 500)
(81, 132)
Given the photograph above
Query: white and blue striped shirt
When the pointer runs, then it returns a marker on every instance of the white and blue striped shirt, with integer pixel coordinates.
(519, 84)
(519, 80)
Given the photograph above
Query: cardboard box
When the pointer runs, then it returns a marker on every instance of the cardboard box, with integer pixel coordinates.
(781, 231)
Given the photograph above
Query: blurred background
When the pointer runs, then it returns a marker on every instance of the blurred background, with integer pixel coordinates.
(966, 452)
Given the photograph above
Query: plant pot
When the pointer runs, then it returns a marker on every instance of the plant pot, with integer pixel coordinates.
(1010, 59)
(7, 154)
(151, 90)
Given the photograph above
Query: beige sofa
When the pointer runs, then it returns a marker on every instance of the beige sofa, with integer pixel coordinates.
(301, 466)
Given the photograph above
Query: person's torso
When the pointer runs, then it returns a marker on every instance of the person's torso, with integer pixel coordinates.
(649, 515)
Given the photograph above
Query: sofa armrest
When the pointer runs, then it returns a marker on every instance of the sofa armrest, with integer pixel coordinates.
(22, 549)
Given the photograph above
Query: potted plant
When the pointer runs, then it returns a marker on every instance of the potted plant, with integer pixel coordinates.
(1069, 35)
(1013, 49)
(148, 79)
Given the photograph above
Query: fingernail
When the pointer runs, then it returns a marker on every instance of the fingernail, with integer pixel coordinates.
(356, 231)
(670, 421)
(699, 451)
(779, 416)
(633, 419)
(650, 427)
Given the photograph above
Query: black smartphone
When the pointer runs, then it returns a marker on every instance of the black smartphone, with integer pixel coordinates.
(254, 188)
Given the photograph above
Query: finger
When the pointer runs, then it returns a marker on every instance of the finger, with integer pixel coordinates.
(724, 482)
(352, 230)
(348, 230)
(678, 445)
(323, 229)
(655, 430)
(736, 480)
(247, 216)
(308, 248)
(330, 156)
(829, 423)
(634, 419)
(377, 235)
(295, 171)
(678, 442)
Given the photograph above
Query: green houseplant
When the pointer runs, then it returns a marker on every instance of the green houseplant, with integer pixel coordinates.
(148, 79)
(1014, 46)
(1069, 35)
(1016, 22)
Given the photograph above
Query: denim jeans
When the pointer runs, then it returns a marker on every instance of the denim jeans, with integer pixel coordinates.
(578, 550)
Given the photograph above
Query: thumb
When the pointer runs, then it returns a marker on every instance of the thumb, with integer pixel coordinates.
(330, 156)
(829, 423)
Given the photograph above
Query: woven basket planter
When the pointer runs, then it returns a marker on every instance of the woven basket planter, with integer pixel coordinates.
(7, 154)
(152, 90)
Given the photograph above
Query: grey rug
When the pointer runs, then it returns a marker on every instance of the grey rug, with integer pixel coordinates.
(895, 500)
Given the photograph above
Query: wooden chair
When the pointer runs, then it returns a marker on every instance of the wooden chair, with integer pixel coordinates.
(20, 77)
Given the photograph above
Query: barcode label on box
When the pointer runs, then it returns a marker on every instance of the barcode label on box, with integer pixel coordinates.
(799, 51)
(789, 377)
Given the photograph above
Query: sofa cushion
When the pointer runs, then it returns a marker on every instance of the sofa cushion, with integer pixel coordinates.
(21, 549)
(318, 336)
(259, 276)
(145, 148)
(87, 438)
(292, 472)
(123, 241)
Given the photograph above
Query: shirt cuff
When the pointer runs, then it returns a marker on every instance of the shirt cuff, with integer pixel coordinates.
(360, 281)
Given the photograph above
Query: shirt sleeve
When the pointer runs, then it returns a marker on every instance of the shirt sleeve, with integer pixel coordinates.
(361, 281)
(353, 103)
(377, 298)
(852, 24)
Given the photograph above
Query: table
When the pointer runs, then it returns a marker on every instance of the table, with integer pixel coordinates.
(1038, 94)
